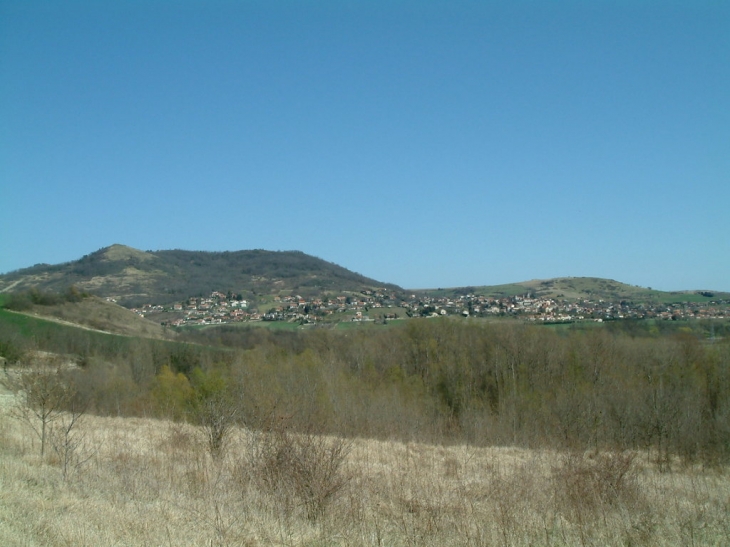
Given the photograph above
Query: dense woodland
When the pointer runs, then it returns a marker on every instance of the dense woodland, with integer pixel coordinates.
(625, 387)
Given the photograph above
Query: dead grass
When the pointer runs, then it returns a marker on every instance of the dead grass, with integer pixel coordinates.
(151, 482)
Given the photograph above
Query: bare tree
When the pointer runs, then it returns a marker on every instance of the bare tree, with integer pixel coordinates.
(66, 441)
(42, 395)
(217, 416)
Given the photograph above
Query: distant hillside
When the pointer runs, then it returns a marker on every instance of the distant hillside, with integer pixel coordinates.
(584, 288)
(133, 277)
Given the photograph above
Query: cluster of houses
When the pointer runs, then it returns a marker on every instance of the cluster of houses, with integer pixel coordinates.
(558, 310)
(383, 305)
(218, 308)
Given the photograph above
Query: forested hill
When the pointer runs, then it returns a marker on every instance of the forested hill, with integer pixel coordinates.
(132, 276)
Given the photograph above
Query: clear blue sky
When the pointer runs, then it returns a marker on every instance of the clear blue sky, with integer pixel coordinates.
(428, 144)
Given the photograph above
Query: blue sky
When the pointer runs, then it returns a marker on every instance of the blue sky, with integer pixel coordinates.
(428, 144)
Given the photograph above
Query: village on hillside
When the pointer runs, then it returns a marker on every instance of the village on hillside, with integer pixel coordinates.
(384, 305)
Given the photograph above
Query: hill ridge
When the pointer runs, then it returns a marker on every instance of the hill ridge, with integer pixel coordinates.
(134, 277)
(131, 276)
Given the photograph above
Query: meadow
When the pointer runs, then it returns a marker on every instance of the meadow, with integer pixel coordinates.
(137, 481)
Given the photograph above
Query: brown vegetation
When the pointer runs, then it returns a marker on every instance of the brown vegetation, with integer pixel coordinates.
(149, 482)
(433, 381)
(433, 433)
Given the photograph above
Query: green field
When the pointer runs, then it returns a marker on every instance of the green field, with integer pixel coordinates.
(28, 326)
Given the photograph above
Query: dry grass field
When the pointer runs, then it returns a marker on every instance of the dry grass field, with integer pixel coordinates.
(133, 481)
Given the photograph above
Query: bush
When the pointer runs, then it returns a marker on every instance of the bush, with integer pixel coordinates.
(592, 483)
(214, 408)
(303, 469)
(11, 351)
(18, 302)
(23, 301)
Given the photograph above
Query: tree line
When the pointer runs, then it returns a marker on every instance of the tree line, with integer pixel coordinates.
(433, 380)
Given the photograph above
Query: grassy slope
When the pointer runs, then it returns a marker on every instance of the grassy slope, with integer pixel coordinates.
(149, 482)
(59, 336)
(28, 326)
(101, 315)
(98, 318)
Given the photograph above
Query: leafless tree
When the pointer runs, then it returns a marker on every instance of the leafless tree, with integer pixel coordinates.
(42, 396)
(65, 439)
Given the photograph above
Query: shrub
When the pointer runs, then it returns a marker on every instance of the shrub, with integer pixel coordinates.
(303, 469)
(11, 351)
(214, 408)
(589, 483)
(18, 302)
